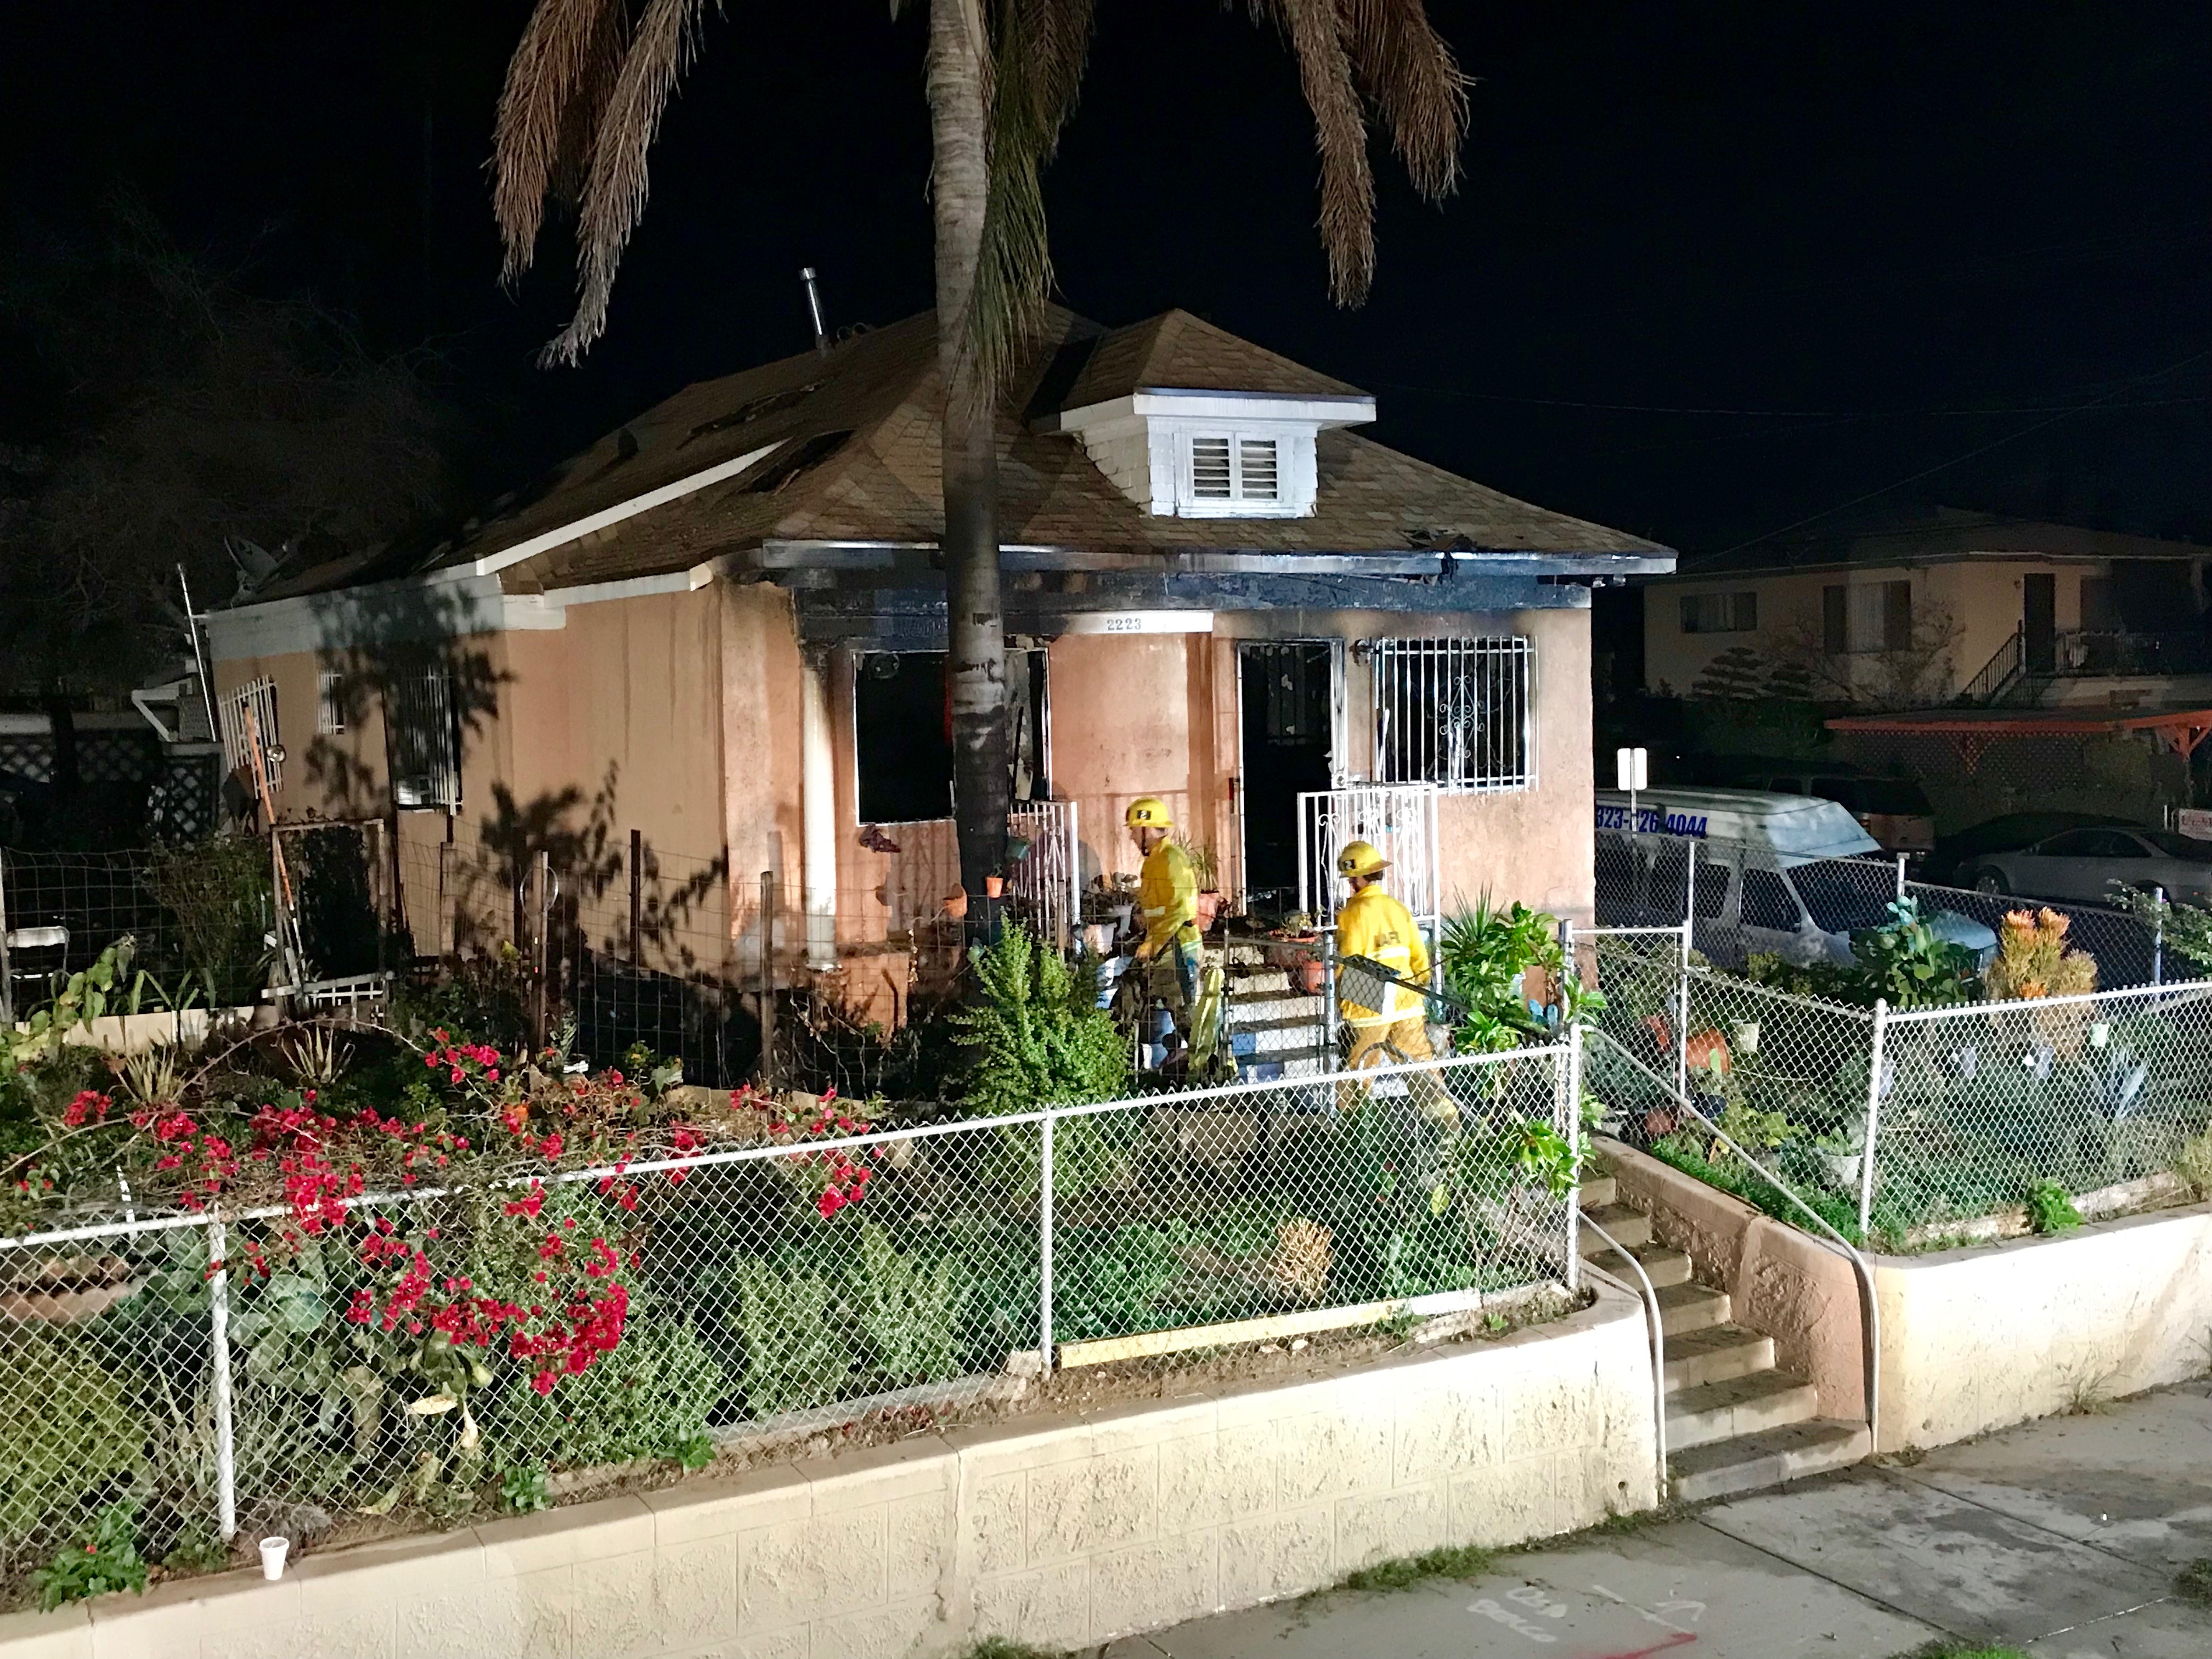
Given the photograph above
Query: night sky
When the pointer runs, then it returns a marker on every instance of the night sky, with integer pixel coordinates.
(1818, 249)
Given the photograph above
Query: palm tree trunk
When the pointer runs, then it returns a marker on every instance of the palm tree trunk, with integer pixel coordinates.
(958, 119)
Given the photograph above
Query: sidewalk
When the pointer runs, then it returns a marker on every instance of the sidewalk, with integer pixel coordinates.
(2062, 1538)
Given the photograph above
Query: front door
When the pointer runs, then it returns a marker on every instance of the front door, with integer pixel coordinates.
(1286, 689)
(2039, 622)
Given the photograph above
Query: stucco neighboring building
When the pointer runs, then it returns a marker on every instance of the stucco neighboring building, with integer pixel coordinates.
(723, 627)
(1927, 608)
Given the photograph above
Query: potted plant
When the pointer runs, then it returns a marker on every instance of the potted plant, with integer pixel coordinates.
(1202, 865)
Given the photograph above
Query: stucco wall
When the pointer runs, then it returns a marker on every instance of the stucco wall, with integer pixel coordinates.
(1974, 1339)
(1062, 1536)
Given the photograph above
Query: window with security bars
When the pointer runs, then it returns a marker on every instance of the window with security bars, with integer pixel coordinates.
(1455, 712)
(329, 703)
(425, 746)
(1230, 471)
(248, 720)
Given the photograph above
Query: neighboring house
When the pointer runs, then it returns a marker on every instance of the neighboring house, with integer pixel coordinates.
(1948, 606)
(723, 626)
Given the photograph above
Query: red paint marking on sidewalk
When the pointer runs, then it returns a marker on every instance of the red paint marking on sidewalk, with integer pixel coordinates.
(1678, 1639)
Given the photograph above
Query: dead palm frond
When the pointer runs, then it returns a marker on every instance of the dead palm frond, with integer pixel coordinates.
(556, 90)
(1387, 50)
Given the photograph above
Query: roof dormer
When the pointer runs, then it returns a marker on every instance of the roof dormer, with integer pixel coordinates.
(1200, 454)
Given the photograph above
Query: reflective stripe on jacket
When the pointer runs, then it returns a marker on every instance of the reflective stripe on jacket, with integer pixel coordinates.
(1167, 896)
(1374, 925)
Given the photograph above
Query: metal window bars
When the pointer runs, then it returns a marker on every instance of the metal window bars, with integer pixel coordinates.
(248, 720)
(1456, 713)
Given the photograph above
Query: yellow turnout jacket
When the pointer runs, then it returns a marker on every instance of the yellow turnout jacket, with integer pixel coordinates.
(1374, 925)
(1167, 897)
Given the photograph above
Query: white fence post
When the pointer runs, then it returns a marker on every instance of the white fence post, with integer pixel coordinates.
(1574, 1102)
(226, 1473)
(1874, 1112)
(1044, 1250)
(1682, 1029)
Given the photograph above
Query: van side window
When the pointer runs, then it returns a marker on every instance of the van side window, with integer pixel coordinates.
(1670, 875)
(1712, 888)
(1768, 903)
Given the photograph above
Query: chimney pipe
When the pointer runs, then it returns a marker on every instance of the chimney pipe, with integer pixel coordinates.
(814, 306)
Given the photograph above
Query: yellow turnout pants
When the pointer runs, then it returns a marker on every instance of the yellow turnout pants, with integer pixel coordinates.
(1373, 1043)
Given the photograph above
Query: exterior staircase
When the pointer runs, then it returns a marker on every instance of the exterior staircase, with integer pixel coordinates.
(1275, 1028)
(1735, 1421)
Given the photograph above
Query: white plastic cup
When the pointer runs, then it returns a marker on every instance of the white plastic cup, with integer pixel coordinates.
(272, 1557)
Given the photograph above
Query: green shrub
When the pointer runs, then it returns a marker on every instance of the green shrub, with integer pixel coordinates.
(1038, 1037)
(649, 1398)
(2051, 1209)
(908, 1315)
(795, 1355)
(104, 1557)
(71, 1437)
(217, 889)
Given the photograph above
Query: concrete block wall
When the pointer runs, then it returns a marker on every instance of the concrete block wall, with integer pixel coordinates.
(1059, 1533)
(1974, 1339)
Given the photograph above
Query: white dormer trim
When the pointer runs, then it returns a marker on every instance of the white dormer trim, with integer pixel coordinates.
(1163, 448)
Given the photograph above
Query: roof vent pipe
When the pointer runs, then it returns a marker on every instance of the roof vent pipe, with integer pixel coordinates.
(814, 306)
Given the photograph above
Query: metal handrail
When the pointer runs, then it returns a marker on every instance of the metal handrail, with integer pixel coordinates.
(1865, 1273)
(1655, 1321)
(2005, 666)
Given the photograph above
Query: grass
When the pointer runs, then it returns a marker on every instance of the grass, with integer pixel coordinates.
(1454, 1561)
(2193, 1584)
(997, 1647)
(1950, 1650)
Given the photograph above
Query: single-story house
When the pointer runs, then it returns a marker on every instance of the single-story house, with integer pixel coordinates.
(723, 625)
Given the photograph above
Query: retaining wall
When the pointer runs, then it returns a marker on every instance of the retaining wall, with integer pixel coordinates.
(1059, 1533)
(1971, 1340)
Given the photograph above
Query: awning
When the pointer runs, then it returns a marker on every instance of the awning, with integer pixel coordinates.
(2179, 729)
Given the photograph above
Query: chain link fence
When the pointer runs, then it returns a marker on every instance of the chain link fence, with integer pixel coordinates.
(346, 1361)
(1748, 903)
(1969, 1110)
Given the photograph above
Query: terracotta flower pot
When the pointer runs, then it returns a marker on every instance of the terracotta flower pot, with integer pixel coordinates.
(1209, 907)
(1660, 1029)
(956, 904)
(1708, 1052)
(994, 886)
(1313, 974)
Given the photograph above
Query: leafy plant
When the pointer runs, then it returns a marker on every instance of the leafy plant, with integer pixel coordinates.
(197, 1548)
(2051, 1209)
(1544, 1158)
(1037, 1037)
(217, 891)
(80, 999)
(796, 1355)
(524, 1491)
(1204, 866)
(2187, 928)
(71, 1434)
(104, 1557)
(1906, 963)
(1485, 954)
(908, 1315)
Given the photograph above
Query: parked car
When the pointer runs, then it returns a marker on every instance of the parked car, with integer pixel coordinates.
(1958, 853)
(2089, 863)
(1780, 874)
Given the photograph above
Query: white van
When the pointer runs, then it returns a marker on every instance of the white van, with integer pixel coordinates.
(1785, 874)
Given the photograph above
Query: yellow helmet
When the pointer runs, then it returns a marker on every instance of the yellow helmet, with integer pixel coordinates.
(1149, 813)
(1359, 858)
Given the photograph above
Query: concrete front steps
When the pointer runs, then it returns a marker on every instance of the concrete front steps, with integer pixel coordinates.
(1274, 1027)
(1735, 1420)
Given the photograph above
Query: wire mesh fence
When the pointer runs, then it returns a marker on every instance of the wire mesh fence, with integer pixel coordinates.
(1751, 902)
(412, 1353)
(1906, 1126)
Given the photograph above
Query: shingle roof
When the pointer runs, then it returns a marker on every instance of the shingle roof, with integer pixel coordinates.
(881, 483)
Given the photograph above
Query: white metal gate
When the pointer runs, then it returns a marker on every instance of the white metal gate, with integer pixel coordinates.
(1048, 883)
(1399, 818)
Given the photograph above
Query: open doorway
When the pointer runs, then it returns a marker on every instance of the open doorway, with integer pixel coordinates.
(1288, 695)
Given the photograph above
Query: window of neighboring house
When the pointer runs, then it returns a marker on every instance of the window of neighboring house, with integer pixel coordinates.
(1225, 471)
(1767, 903)
(1455, 712)
(903, 733)
(2099, 614)
(424, 742)
(248, 720)
(329, 703)
(1866, 616)
(1720, 613)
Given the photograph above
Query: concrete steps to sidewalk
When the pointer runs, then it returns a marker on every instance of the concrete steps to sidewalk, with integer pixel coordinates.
(1735, 1420)
(1275, 1028)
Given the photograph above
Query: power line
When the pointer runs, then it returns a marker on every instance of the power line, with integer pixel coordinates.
(1766, 414)
(1930, 471)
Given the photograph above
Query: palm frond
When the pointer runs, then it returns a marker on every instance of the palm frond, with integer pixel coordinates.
(1403, 65)
(614, 185)
(1039, 48)
(556, 89)
(1317, 31)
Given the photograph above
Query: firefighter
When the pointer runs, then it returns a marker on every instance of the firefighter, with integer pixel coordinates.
(1167, 905)
(1375, 926)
